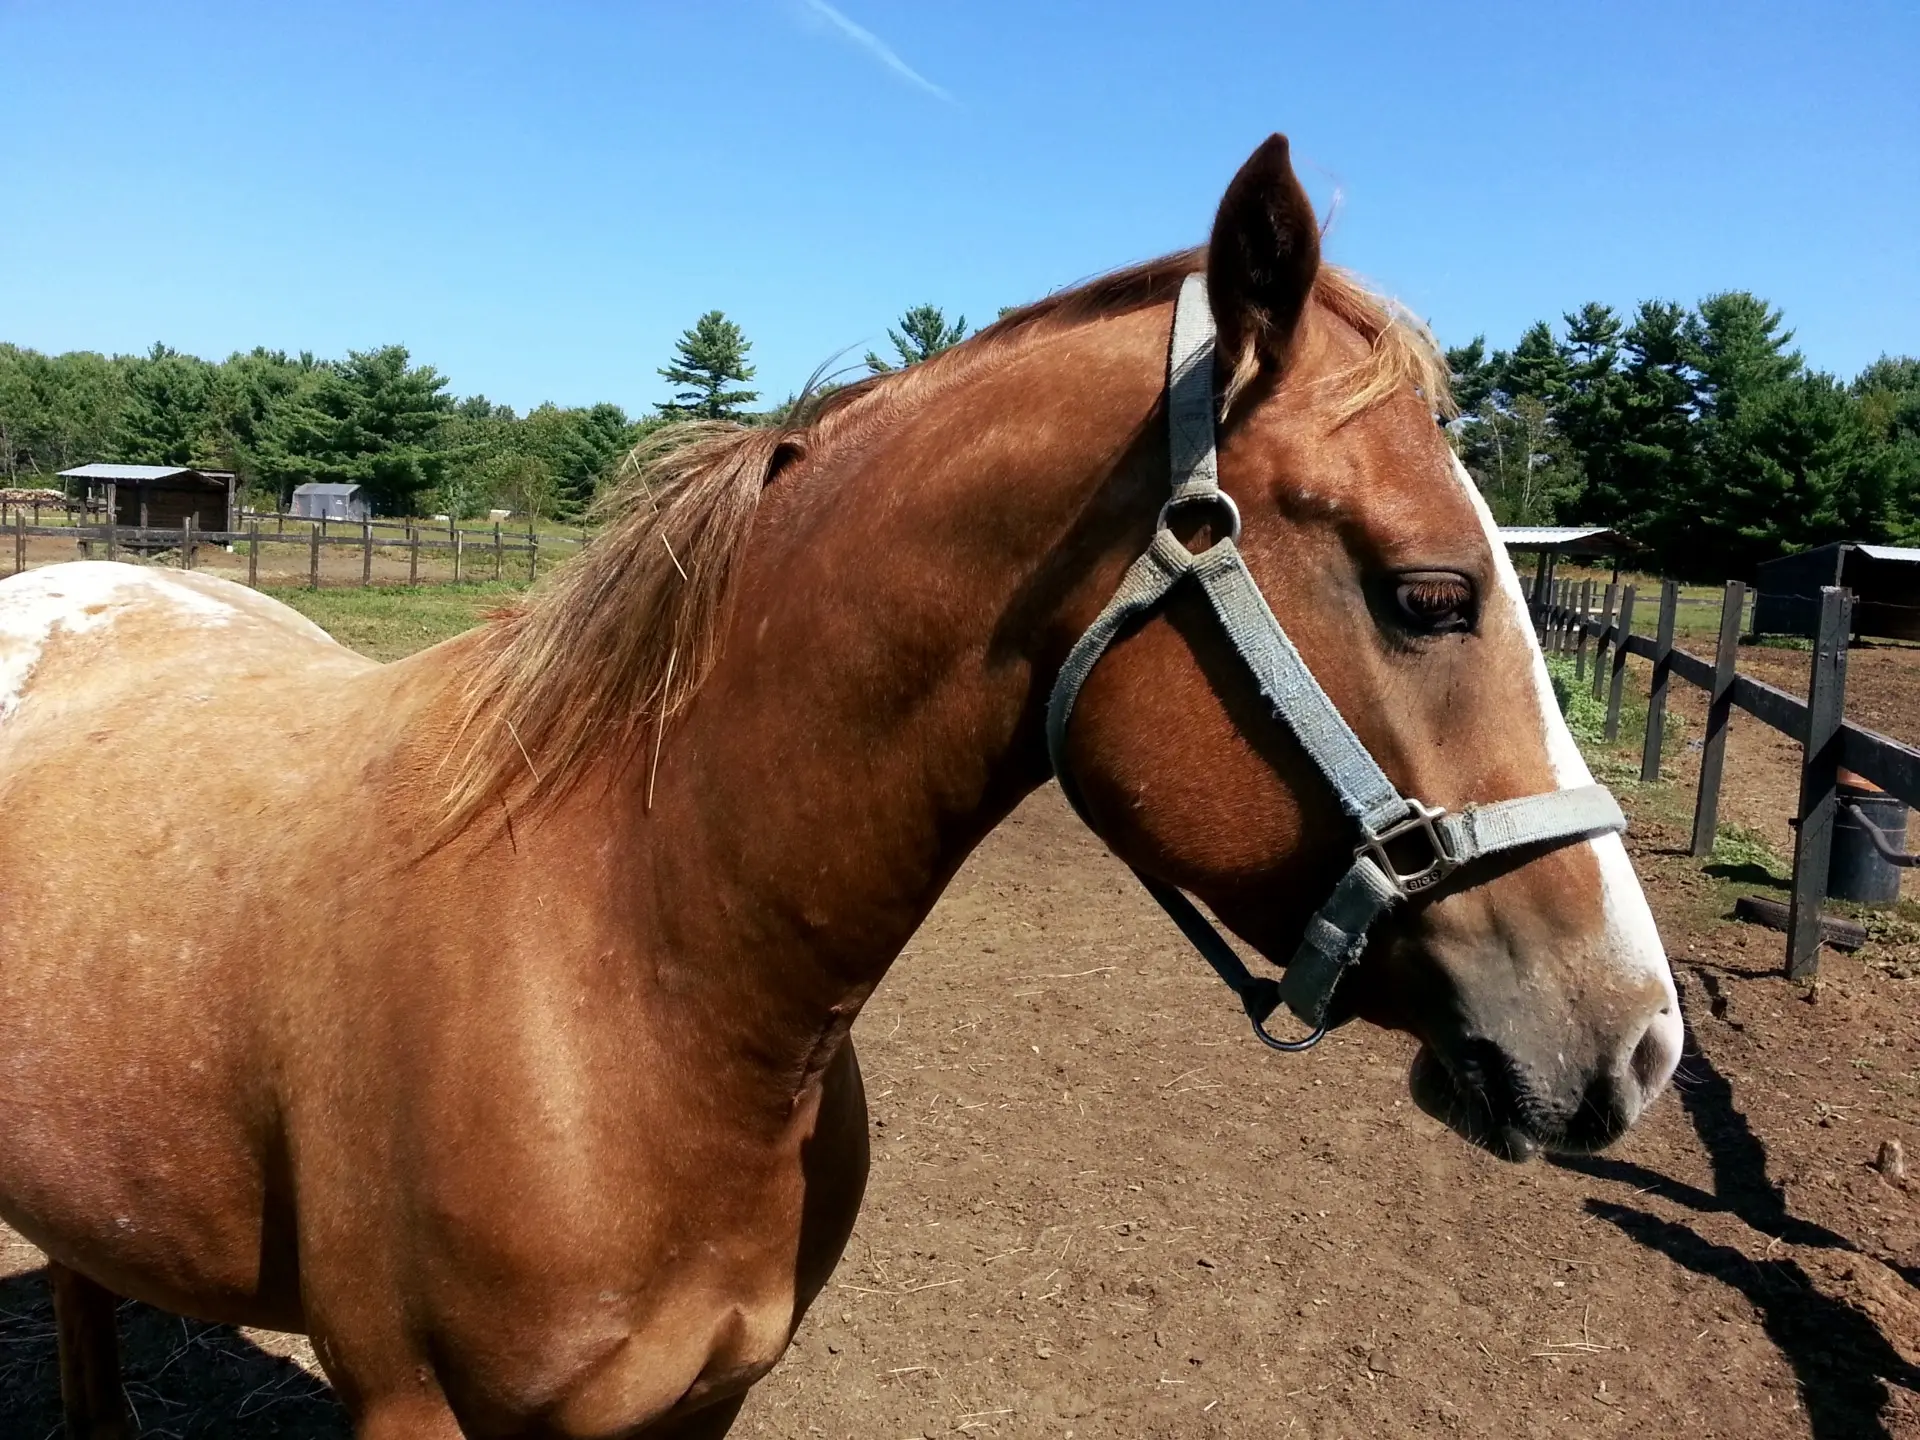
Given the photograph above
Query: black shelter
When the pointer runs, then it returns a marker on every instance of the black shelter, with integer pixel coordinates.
(1884, 579)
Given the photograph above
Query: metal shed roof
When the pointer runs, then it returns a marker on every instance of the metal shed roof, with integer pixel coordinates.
(99, 471)
(1904, 553)
(1559, 537)
(325, 487)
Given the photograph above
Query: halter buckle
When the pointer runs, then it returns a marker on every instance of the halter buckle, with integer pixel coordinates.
(1422, 820)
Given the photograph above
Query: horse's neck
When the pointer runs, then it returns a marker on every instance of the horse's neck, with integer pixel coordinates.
(879, 706)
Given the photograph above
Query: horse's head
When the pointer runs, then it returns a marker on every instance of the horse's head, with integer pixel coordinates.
(1534, 979)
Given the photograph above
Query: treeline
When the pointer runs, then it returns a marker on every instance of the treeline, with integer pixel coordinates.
(1700, 433)
(374, 418)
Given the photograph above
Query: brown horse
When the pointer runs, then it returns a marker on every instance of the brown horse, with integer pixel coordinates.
(484, 1015)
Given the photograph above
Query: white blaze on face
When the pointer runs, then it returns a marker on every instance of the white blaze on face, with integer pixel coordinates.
(94, 594)
(1632, 940)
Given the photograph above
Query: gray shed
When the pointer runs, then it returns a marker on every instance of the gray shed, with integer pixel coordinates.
(324, 501)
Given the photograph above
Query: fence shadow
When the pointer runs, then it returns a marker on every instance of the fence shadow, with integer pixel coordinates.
(183, 1379)
(1842, 1361)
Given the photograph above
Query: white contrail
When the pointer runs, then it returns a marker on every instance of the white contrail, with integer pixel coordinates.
(876, 47)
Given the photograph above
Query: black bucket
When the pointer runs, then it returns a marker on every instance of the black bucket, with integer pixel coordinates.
(1857, 871)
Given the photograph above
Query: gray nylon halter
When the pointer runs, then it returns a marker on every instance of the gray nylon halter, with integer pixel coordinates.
(1372, 885)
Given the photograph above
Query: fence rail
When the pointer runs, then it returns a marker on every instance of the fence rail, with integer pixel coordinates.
(1567, 617)
(468, 547)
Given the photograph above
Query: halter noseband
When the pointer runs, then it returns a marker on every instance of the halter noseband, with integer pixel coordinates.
(1374, 883)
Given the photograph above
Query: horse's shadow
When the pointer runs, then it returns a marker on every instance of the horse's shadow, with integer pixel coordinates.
(1841, 1360)
(183, 1379)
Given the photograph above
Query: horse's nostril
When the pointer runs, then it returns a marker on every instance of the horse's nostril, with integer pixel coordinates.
(1656, 1053)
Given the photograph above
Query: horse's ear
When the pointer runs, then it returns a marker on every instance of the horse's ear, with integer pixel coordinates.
(1261, 259)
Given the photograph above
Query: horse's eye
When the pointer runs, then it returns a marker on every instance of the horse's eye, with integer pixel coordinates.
(1435, 602)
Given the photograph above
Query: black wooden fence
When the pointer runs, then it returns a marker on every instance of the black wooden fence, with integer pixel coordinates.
(1572, 613)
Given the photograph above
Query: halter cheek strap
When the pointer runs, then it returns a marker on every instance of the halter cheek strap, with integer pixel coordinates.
(1373, 883)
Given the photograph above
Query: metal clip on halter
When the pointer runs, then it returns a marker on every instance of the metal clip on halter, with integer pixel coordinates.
(1423, 820)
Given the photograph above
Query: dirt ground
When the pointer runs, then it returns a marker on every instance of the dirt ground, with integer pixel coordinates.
(1100, 1208)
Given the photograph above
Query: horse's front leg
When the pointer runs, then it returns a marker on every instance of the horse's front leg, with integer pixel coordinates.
(84, 1318)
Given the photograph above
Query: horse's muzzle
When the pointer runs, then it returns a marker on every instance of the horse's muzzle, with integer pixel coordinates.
(1486, 1096)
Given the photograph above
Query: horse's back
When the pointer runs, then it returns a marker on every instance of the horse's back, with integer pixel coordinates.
(88, 629)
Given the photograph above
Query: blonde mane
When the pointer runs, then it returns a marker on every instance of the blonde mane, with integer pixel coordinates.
(621, 638)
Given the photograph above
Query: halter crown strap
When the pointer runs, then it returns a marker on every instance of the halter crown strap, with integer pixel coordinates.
(1374, 882)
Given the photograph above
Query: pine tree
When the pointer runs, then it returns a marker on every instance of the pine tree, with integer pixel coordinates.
(373, 419)
(1510, 440)
(1887, 393)
(923, 333)
(1535, 367)
(1471, 374)
(1658, 464)
(168, 417)
(1760, 428)
(1588, 412)
(707, 359)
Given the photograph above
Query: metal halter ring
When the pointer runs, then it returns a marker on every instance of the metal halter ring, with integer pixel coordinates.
(1219, 499)
(1419, 819)
(1292, 1047)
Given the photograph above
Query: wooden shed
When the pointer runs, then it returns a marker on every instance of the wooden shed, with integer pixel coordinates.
(162, 497)
(1884, 579)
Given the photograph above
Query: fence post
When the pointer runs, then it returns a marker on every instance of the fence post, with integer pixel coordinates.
(458, 546)
(499, 554)
(19, 542)
(313, 556)
(1585, 604)
(1819, 779)
(1623, 631)
(1657, 691)
(1713, 752)
(1600, 640)
(413, 553)
(253, 555)
(533, 553)
(366, 552)
(1537, 592)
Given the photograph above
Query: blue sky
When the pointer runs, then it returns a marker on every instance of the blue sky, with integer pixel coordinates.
(537, 199)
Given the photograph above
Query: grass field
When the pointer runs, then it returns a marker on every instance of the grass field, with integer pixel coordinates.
(386, 623)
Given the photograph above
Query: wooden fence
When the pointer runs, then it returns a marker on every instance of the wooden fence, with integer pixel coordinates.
(1572, 613)
(476, 552)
